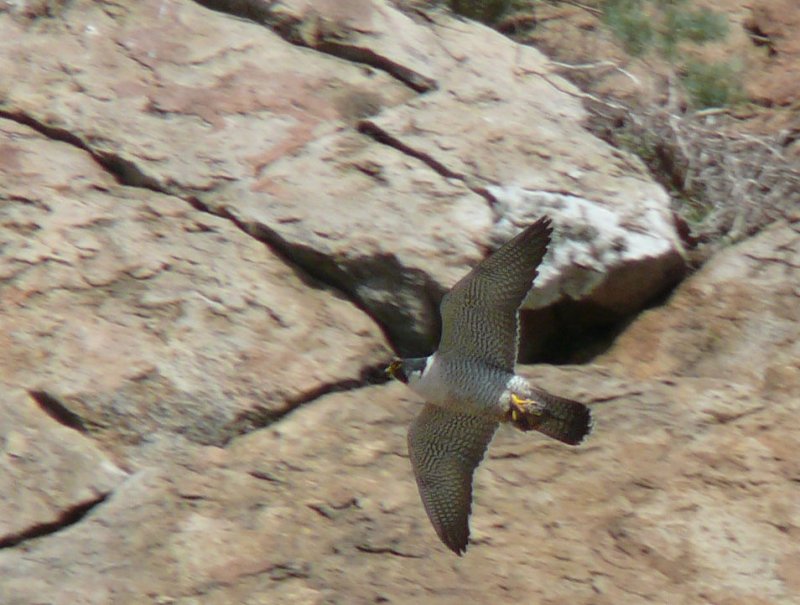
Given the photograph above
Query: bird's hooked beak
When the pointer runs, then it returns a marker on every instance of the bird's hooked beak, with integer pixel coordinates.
(392, 368)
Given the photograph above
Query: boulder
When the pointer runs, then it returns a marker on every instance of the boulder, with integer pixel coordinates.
(151, 320)
(687, 491)
(384, 155)
(213, 228)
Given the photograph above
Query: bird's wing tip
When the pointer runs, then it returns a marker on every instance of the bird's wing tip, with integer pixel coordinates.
(459, 549)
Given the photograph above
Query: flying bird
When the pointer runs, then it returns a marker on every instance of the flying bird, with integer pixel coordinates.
(470, 385)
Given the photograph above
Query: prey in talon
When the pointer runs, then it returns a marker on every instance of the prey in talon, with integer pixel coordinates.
(470, 385)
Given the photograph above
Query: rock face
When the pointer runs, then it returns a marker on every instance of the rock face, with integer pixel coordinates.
(339, 164)
(213, 231)
(147, 317)
(688, 491)
(49, 473)
(773, 24)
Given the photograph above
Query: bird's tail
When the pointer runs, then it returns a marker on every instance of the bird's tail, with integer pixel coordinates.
(563, 419)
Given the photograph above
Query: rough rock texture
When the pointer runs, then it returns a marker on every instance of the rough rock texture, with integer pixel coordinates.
(50, 474)
(145, 316)
(688, 491)
(773, 26)
(335, 162)
(201, 219)
(745, 319)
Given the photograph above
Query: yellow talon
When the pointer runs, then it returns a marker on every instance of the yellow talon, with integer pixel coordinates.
(519, 402)
(520, 408)
(517, 407)
(392, 368)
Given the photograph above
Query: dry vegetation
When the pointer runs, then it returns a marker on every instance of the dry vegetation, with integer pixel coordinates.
(725, 184)
(726, 180)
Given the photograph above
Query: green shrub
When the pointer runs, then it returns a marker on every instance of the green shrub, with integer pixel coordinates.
(641, 24)
(487, 11)
(712, 84)
(630, 24)
(698, 26)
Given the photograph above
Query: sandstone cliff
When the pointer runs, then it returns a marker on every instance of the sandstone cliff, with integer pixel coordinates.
(219, 219)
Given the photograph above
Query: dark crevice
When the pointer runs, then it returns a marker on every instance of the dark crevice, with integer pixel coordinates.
(312, 273)
(67, 518)
(371, 375)
(386, 550)
(313, 268)
(567, 333)
(320, 270)
(58, 411)
(253, 420)
(317, 269)
(375, 132)
(398, 324)
(319, 34)
(759, 37)
(573, 332)
(51, 132)
(358, 54)
(124, 171)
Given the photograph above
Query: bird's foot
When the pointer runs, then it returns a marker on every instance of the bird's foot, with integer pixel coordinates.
(393, 367)
(525, 414)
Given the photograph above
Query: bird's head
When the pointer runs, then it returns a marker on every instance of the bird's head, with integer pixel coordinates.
(407, 370)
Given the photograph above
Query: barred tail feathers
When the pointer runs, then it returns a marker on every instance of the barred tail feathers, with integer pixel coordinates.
(563, 419)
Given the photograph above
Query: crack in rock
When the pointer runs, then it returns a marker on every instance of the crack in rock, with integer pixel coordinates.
(372, 130)
(345, 275)
(68, 517)
(320, 34)
(360, 54)
(379, 135)
(386, 550)
(128, 174)
(125, 172)
(59, 412)
(314, 267)
(253, 420)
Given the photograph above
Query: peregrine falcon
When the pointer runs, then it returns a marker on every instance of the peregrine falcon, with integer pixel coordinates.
(470, 385)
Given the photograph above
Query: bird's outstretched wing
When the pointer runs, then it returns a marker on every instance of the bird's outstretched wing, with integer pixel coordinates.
(479, 314)
(445, 448)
